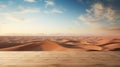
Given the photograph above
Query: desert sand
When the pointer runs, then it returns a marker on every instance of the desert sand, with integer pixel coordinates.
(59, 43)
(59, 59)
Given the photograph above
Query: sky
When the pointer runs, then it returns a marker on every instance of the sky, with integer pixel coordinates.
(59, 17)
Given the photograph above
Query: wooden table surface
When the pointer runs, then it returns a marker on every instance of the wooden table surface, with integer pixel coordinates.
(59, 59)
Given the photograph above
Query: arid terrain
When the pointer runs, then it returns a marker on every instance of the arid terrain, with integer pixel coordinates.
(59, 43)
(59, 51)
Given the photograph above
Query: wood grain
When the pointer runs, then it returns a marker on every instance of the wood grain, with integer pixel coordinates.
(59, 59)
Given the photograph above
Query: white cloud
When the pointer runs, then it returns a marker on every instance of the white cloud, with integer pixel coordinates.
(49, 3)
(24, 10)
(100, 14)
(56, 11)
(53, 11)
(98, 9)
(31, 1)
(12, 18)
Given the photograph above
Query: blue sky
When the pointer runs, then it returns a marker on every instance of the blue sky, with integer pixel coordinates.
(82, 17)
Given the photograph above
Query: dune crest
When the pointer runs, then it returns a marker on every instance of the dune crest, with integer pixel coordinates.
(59, 43)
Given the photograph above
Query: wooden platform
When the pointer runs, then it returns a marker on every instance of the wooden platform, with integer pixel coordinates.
(59, 59)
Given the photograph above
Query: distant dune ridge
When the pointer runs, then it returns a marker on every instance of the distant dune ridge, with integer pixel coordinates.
(59, 43)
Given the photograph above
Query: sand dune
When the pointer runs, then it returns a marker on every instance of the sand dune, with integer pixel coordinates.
(60, 44)
(39, 46)
(112, 47)
(91, 47)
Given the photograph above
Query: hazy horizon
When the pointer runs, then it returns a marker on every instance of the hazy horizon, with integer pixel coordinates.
(59, 17)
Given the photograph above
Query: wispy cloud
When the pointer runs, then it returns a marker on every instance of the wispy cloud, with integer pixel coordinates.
(98, 13)
(11, 17)
(56, 11)
(53, 11)
(24, 10)
(31, 1)
(14, 18)
(49, 3)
